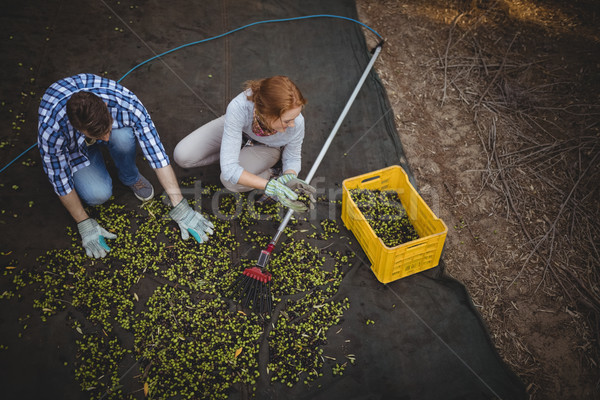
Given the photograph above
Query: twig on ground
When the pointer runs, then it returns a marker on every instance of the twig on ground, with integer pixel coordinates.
(487, 89)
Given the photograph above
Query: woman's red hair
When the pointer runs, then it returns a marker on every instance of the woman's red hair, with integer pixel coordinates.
(274, 96)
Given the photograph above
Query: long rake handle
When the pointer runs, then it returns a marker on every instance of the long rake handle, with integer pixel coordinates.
(325, 147)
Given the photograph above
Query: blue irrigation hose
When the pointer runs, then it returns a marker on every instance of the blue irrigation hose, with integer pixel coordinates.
(17, 157)
(247, 26)
(217, 37)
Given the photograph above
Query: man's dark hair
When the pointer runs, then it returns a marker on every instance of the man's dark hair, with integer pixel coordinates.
(88, 113)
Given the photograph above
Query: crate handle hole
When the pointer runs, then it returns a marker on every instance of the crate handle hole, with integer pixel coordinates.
(372, 178)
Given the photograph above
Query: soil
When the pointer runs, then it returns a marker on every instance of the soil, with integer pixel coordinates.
(475, 86)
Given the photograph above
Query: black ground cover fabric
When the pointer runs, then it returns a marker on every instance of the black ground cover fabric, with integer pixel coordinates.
(427, 342)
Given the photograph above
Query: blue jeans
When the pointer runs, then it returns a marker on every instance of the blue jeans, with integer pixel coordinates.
(93, 183)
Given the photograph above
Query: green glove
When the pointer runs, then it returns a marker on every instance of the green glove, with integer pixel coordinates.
(191, 222)
(285, 178)
(284, 195)
(92, 236)
(298, 185)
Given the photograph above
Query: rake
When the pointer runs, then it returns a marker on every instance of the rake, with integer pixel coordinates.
(253, 286)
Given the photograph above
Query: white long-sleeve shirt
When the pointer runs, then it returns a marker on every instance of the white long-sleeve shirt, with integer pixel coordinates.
(238, 120)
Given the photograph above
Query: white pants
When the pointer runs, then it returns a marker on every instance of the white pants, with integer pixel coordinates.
(202, 147)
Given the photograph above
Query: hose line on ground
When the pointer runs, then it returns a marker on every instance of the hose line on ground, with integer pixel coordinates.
(217, 37)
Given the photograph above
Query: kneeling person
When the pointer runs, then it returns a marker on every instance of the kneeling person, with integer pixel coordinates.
(77, 116)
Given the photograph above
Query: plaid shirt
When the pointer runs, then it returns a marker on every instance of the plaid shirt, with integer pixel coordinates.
(63, 148)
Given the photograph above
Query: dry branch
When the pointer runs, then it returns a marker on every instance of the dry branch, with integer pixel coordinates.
(542, 146)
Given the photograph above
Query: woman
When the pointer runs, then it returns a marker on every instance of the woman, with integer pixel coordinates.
(266, 118)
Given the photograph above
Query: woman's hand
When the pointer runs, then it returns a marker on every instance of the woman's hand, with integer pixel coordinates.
(284, 195)
(298, 185)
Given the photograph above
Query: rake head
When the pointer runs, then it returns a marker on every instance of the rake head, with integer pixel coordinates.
(253, 289)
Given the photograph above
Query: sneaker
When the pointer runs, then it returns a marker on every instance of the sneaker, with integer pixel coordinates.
(275, 172)
(265, 199)
(143, 189)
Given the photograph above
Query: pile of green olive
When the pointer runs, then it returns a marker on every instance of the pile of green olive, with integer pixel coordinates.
(154, 318)
(385, 213)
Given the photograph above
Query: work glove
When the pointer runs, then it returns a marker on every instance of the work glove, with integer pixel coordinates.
(298, 185)
(284, 195)
(92, 237)
(191, 222)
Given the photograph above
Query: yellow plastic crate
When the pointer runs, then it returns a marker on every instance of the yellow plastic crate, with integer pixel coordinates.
(393, 263)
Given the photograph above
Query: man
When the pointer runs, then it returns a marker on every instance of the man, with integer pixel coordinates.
(79, 115)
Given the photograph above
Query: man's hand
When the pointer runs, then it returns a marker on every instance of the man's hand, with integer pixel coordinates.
(191, 222)
(92, 236)
(284, 195)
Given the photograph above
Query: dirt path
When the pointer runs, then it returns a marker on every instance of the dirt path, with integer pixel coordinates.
(452, 74)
